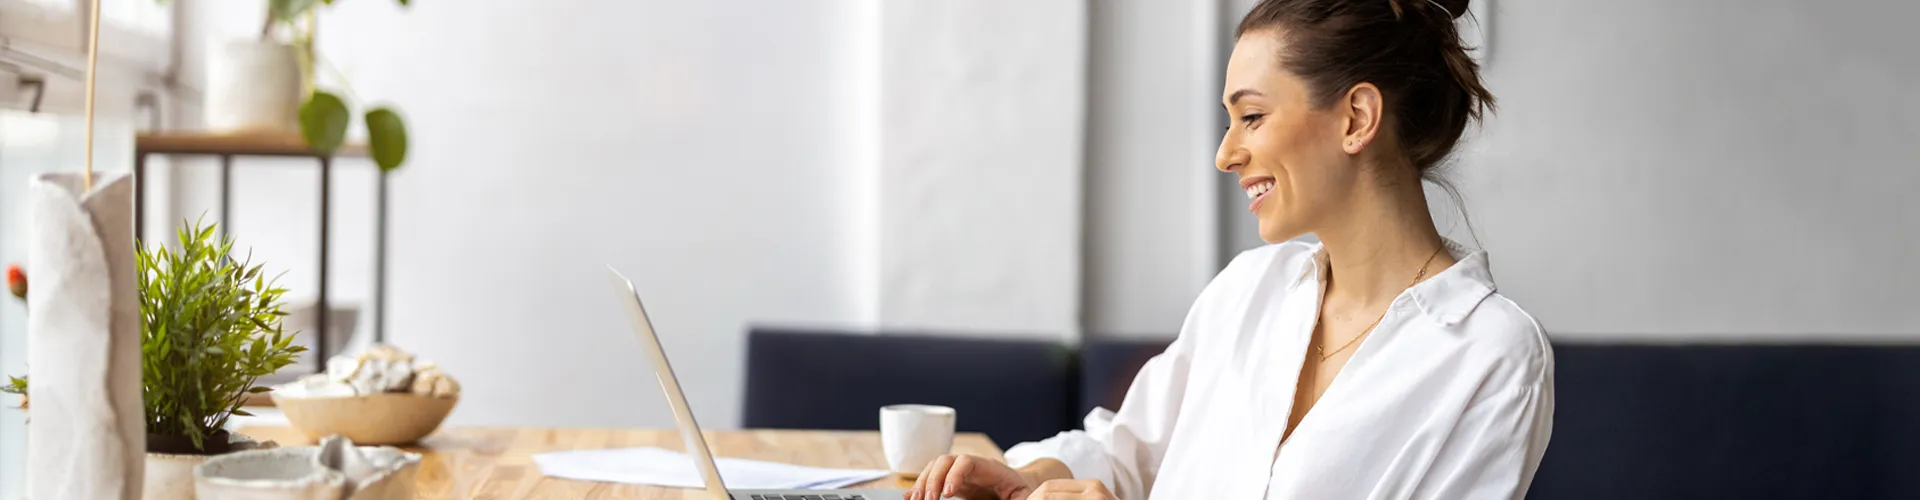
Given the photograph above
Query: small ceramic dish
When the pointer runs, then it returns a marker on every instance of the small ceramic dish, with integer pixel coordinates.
(334, 470)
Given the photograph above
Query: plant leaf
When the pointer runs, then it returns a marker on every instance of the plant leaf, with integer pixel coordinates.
(259, 389)
(15, 385)
(323, 122)
(288, 10)
(387, 136)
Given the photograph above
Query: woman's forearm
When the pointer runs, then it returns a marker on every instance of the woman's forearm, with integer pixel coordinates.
(1045, 469)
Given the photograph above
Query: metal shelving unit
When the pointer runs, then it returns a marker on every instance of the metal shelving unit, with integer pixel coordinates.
(227, 147)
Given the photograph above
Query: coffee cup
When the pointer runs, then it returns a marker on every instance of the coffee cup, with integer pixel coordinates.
(913, 435)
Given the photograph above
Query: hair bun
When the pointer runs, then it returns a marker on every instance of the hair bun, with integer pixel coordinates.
(1458, 8)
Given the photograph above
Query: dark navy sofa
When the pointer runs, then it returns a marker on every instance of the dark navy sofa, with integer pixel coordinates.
(1631, 421)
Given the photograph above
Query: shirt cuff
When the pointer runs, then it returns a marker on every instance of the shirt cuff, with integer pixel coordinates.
(1074, 448)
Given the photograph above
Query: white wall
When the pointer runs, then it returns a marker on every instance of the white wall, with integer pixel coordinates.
(990, 227)
(1152, 127)
(1725, 170)
(690, 144)
(770, 165)
(980, 166)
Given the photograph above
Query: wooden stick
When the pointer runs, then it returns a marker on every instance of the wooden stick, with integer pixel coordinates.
(93, 68)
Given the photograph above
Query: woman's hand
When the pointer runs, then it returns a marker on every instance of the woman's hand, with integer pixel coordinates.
(969, 477)
(1071, 489)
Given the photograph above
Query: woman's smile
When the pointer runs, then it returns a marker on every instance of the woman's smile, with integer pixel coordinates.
(1257, 190)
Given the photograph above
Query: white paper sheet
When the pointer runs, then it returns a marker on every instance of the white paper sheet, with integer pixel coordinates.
(662, 467)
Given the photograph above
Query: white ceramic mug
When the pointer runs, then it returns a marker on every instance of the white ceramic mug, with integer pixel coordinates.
(913, 435)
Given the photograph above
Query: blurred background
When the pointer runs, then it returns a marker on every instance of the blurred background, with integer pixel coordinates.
(1706, 203)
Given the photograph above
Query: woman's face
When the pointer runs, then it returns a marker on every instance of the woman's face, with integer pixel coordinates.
(1288, 155)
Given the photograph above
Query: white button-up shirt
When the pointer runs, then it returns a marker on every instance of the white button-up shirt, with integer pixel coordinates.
(1450, 397)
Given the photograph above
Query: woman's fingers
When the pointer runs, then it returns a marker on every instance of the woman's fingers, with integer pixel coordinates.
(962, 466)
(920, 483)
(1061, 486)
(933, 479)
(1071, 489)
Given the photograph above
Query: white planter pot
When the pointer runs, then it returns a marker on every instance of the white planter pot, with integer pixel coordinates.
(170, 476)
(252, 86)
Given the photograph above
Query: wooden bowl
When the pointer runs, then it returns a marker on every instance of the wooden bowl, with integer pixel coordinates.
(376, 419)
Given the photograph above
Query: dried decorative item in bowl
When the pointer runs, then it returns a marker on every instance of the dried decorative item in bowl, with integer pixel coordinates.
(382, 395)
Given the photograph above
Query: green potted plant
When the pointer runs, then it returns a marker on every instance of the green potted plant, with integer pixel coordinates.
(210, 328)
(271, 84)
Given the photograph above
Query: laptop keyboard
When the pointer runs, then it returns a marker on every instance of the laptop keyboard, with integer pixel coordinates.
(809, 497)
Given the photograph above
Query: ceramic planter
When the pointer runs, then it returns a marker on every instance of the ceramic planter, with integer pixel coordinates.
(253, 86)
(170, 476)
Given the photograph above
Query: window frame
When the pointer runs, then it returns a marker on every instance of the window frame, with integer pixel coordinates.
(61, 34)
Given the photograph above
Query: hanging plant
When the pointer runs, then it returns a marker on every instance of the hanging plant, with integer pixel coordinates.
(324, 115)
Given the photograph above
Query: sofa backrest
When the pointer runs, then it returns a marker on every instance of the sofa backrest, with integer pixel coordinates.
(1630, 421)
(1107, 368)
(1741, 421)
(1013, 390)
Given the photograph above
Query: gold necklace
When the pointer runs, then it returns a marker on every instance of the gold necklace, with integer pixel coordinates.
(1324, 355)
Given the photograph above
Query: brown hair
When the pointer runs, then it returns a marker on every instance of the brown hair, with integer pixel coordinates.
(1410, 49)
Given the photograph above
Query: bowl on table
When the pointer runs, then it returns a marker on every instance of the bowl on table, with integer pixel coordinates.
(372, 419)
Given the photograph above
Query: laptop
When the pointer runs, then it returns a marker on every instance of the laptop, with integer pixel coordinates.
(696, 444)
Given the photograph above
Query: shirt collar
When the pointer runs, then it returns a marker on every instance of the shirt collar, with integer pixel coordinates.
(1447, 297)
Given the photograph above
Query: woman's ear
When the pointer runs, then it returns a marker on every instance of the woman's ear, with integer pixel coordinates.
(1364, 109)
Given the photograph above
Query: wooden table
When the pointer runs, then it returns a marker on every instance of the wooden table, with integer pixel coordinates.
(497, 463)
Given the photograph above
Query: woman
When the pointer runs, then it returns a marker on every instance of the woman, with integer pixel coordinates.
(1379, 363)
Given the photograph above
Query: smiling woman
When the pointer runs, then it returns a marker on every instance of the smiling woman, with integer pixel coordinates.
(1354, 70)
(1380, 363)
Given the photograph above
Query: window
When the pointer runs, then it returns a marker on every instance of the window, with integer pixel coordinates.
(135, 35)
(147, 17)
